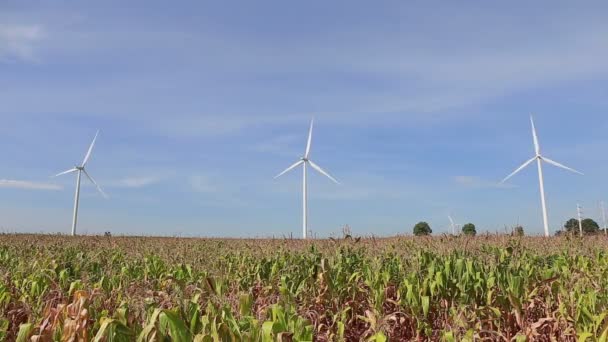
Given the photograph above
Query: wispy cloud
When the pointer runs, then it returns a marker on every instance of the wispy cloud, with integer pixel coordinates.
(28, 185)
(476, 182)
(18, 42)
(447, 77)
(216, 193)
(280, 145)
(135, 182)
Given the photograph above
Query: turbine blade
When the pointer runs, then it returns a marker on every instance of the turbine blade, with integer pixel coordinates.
(318, 168)
(451, 220)
(289, 168)
(66, 172)
(535, 136)
(95, 183)
(309, 140)
(88, 155)
(552, 162)
(519, 169)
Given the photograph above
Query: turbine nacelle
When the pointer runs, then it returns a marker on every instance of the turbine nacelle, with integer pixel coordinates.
(305, 159)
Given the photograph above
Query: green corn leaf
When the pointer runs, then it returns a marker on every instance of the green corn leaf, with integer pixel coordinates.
(25, 330)
(378, 337)
(112, 330)
(103, 330)
(144, 335)
(582, 337)
(520, 338)
(178, 331)
(267, 331)
(341, 330)
(203, 338)
(448, 337)
(245, 304)
(426, 303)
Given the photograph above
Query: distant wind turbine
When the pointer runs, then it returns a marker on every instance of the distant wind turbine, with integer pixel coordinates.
(80, 169)
(580, 219)
(604, 217)
(539, 159)
(453, 225)
(304, 161)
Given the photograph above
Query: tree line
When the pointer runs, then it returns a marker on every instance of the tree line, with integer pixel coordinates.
(571, 226)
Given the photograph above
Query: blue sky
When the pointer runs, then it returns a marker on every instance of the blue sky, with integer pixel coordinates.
(420, 109)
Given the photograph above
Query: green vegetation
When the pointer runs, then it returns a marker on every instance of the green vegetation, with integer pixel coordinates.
(422, 229)
(408, 288)
(469, 229)
(589, 226)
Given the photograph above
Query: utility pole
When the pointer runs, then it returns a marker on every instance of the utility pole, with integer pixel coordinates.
(580, 222)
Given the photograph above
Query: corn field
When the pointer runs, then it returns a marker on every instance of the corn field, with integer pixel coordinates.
(495, 288)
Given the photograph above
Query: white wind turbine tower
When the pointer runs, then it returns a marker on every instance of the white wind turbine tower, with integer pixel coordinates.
(80, 169)
(304, 161)
(539, 159)
(453, 225)
(580, 219)
(604, 217)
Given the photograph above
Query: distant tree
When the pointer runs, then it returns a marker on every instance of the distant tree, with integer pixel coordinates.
(589, 226)
(469, 229)
(518, 231)
(422, 228)
(571, 225)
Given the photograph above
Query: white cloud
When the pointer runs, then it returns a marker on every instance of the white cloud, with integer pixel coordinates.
(280, 145)
(476, 182)
(215, 192)
(18, 42)
(27, 185)
(353, 187)
(426, 71)
(136, 182)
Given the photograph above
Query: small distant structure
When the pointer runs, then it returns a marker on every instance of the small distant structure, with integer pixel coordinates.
(346, 230)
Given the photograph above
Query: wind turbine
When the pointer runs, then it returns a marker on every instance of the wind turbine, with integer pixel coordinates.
(580, 219)
(453, 225)
(304, 161)
(539, 159)
(604, 217)
(81, 169)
